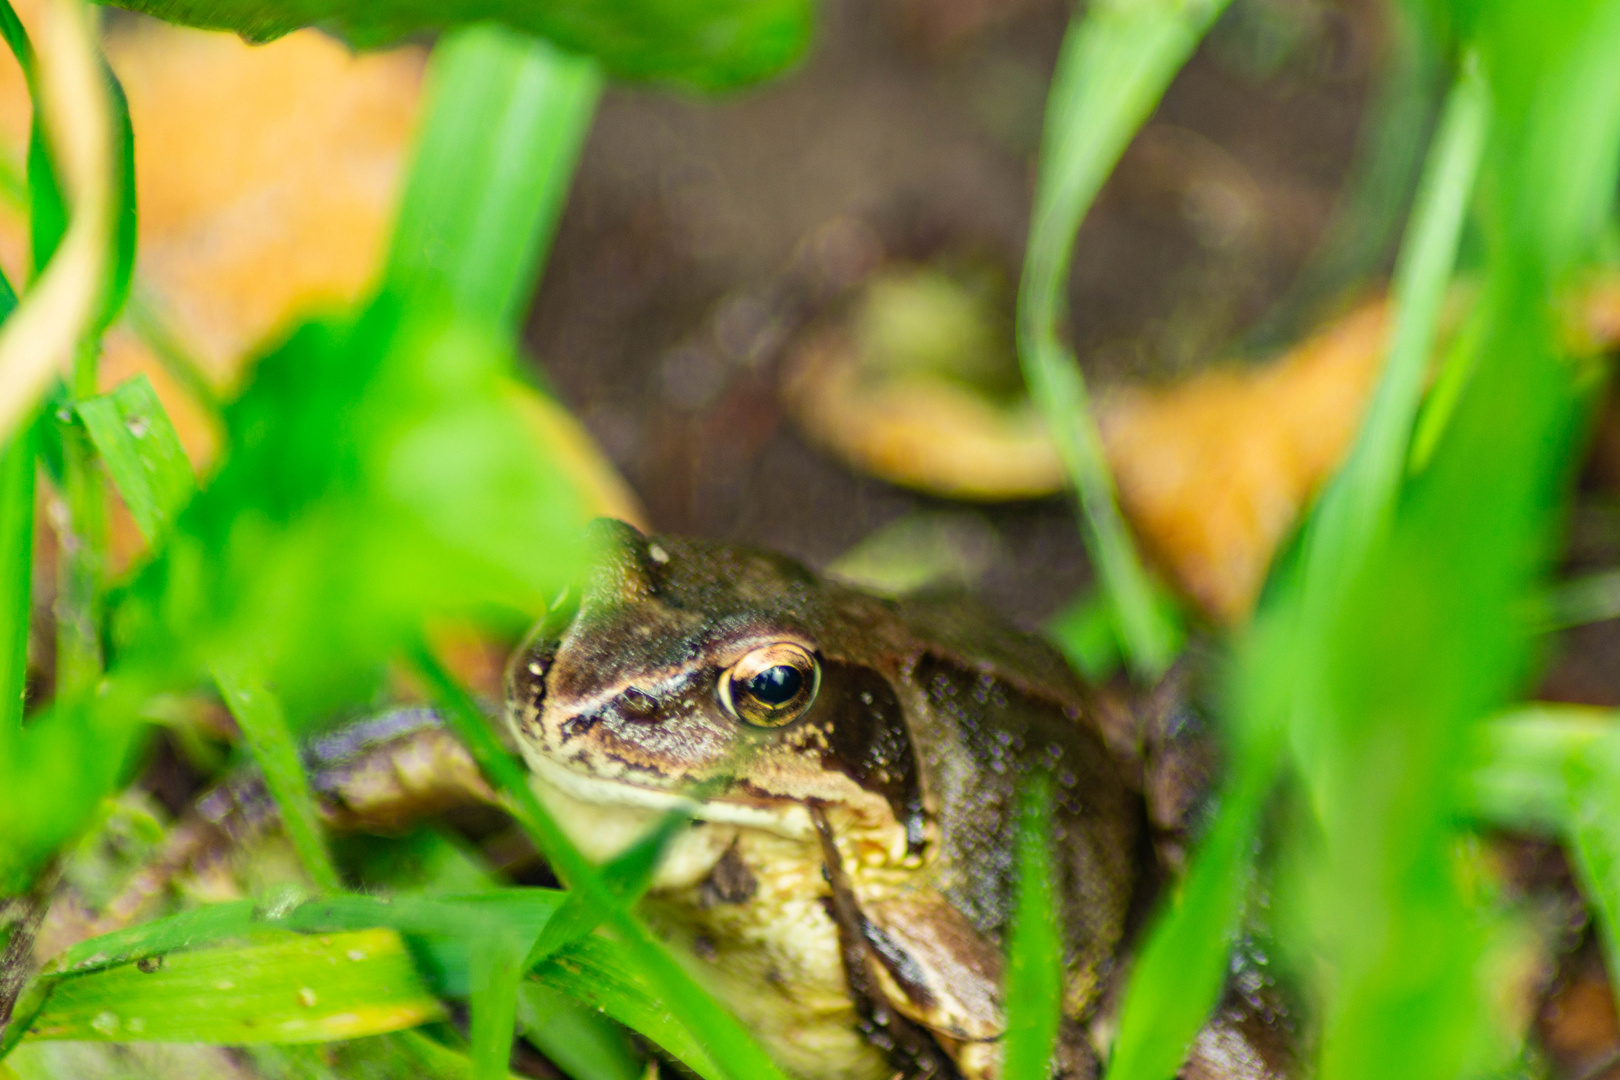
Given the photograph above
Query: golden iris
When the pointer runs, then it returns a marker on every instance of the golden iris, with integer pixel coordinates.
(771, 686)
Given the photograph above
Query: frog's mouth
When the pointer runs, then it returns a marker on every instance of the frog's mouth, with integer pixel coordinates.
(780, 815)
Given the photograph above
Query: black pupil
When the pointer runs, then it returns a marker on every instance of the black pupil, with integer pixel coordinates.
(776, 685)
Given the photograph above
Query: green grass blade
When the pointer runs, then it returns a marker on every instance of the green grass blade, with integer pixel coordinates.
(284, 988)
(1556, 769)
(1356, 510)
(1035, 950)
(142, 452)
(626, 876)
(598, 972)
(1116, 62)
(580, 1041)
(18, 468)
(1587, 599)
(492, 167)
(187, 930)
(1523, 767)
(723, 1038)
(697, 44)
(497, 966)
(144, 319)
(1183, 964)
(517, 911)
(258, 713)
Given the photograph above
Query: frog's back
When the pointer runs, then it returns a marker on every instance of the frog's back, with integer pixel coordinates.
(1009, 705)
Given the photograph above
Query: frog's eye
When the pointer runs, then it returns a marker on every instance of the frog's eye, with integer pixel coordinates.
(771, 686)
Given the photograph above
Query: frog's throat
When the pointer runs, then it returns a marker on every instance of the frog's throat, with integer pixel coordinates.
(787, 819)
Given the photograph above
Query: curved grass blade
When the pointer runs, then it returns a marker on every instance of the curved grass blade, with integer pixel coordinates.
(1182, 968)
(700, 44)
(1116, 62)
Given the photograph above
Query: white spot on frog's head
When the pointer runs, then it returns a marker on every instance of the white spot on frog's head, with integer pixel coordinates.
(657, 553)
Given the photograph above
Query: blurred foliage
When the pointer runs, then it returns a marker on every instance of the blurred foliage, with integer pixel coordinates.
(382, 471)
(704, 44)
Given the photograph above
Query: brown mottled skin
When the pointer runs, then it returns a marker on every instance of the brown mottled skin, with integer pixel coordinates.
(846, 885)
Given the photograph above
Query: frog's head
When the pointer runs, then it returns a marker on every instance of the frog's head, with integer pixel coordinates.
(728, 679)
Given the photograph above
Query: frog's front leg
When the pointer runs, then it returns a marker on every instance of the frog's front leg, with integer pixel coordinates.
(926, 982)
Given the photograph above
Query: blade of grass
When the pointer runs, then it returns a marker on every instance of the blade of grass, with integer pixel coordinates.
(142, 453)
(1587, 599)
(597, 971)
(17, 472)
(286, 988)
(143, 318)
(1357, 508)
(582, 1042)
(491, 170)
(1116, 62)
(187, 930)
(520, 911)
(1522, 771)
(722, 1037)
(1035, 952)
(1556, 768)
(497, 967)
(258, 713)
(627, 876)
(1183, 967)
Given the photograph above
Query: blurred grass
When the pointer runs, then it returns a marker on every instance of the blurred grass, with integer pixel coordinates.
(507, 120)
(263, 723)
(1035, 966)
(1117, 59)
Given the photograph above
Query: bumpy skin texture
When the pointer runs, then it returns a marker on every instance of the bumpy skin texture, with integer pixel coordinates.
(846, 886)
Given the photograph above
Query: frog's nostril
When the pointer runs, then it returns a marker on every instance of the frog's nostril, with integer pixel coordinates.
(638, 704)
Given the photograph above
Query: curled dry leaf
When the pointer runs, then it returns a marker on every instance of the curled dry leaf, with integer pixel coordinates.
(931, 434)
(1213, 472)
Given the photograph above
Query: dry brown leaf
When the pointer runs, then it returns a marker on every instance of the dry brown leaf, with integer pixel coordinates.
(1215, 471)
(924, 433)
(1212, 472)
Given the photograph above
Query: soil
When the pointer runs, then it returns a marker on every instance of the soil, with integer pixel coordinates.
(911, 127)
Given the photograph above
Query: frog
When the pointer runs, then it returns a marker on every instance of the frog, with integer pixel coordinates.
(853, 767)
